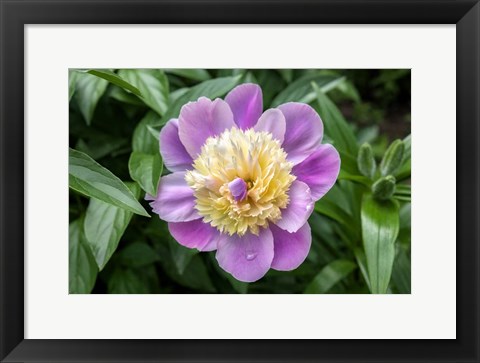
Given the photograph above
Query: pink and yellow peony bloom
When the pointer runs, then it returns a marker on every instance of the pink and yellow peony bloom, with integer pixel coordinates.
(244, 182)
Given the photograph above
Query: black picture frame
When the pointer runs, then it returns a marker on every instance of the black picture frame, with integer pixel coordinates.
(15, 14)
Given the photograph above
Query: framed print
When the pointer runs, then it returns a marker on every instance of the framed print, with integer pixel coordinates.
(247, 181)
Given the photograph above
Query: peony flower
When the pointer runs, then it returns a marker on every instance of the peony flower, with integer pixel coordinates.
(244, 182)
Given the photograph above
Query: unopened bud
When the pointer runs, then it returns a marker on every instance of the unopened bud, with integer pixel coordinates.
(365, 161)
(392, 160)
(384, 188)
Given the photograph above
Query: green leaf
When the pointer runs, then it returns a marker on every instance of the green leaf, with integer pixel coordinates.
(403, 198)
(89, 89)
(332, 210)
(100, 146)
(343, 175)
(104, 226)
(115, 79)
(143, 140)
(146, 170)
(404, 189)
(368, 134)
(380, 226)
(88, 177)
(238, 286)
(137, 254)
(329, 276)
(269, 80)
(82, 269)
(336, 126)
(211, 89)
(362, 263)
(349, 90)
(190, 73)
(196, 276)
(407, 143)
(126, 281)
(153, 85)
(287, 74)
(339, 205)
(121, 95)
(301, 90)
(145, 164)
(403, 193)
(405, 170)
(392, 160)
(181, 255)
(348, 162)
(405, 234)
(154, 132)
(133, 281)
(175, 95)
(72, 80)
(401, 274)
(325, 242)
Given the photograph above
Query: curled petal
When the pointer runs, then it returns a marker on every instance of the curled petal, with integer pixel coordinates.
(174, 201)
(174, 155)
(247, 257)
(272, 121)
(246, 103)
(195, 234)
(299, 208)
(238, 188)
(290, 249)
(304, 130)
(201, 119)
(320, 170)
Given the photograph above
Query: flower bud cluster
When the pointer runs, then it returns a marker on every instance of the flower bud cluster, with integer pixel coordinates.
(384, 182)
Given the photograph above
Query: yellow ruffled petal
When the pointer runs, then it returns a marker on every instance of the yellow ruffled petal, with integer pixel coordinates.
(255, 157)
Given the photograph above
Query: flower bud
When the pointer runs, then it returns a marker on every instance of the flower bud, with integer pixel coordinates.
(392, 160)
(384, 188)
(365, 161)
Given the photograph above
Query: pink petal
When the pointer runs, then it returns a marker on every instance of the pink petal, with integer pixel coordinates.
(290, 249)
(246, 103)
(238, 188)
(299, 208)
(195, 234)
(174, 155)
(248, 257)
(304, 130)
(320, 170)
(201, 119)
(174, 201)
(272, 121)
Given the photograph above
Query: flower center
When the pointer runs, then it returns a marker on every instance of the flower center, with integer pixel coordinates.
(241, 181)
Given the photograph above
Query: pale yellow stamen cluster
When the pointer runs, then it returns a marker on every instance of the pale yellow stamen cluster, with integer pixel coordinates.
(259, 160)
